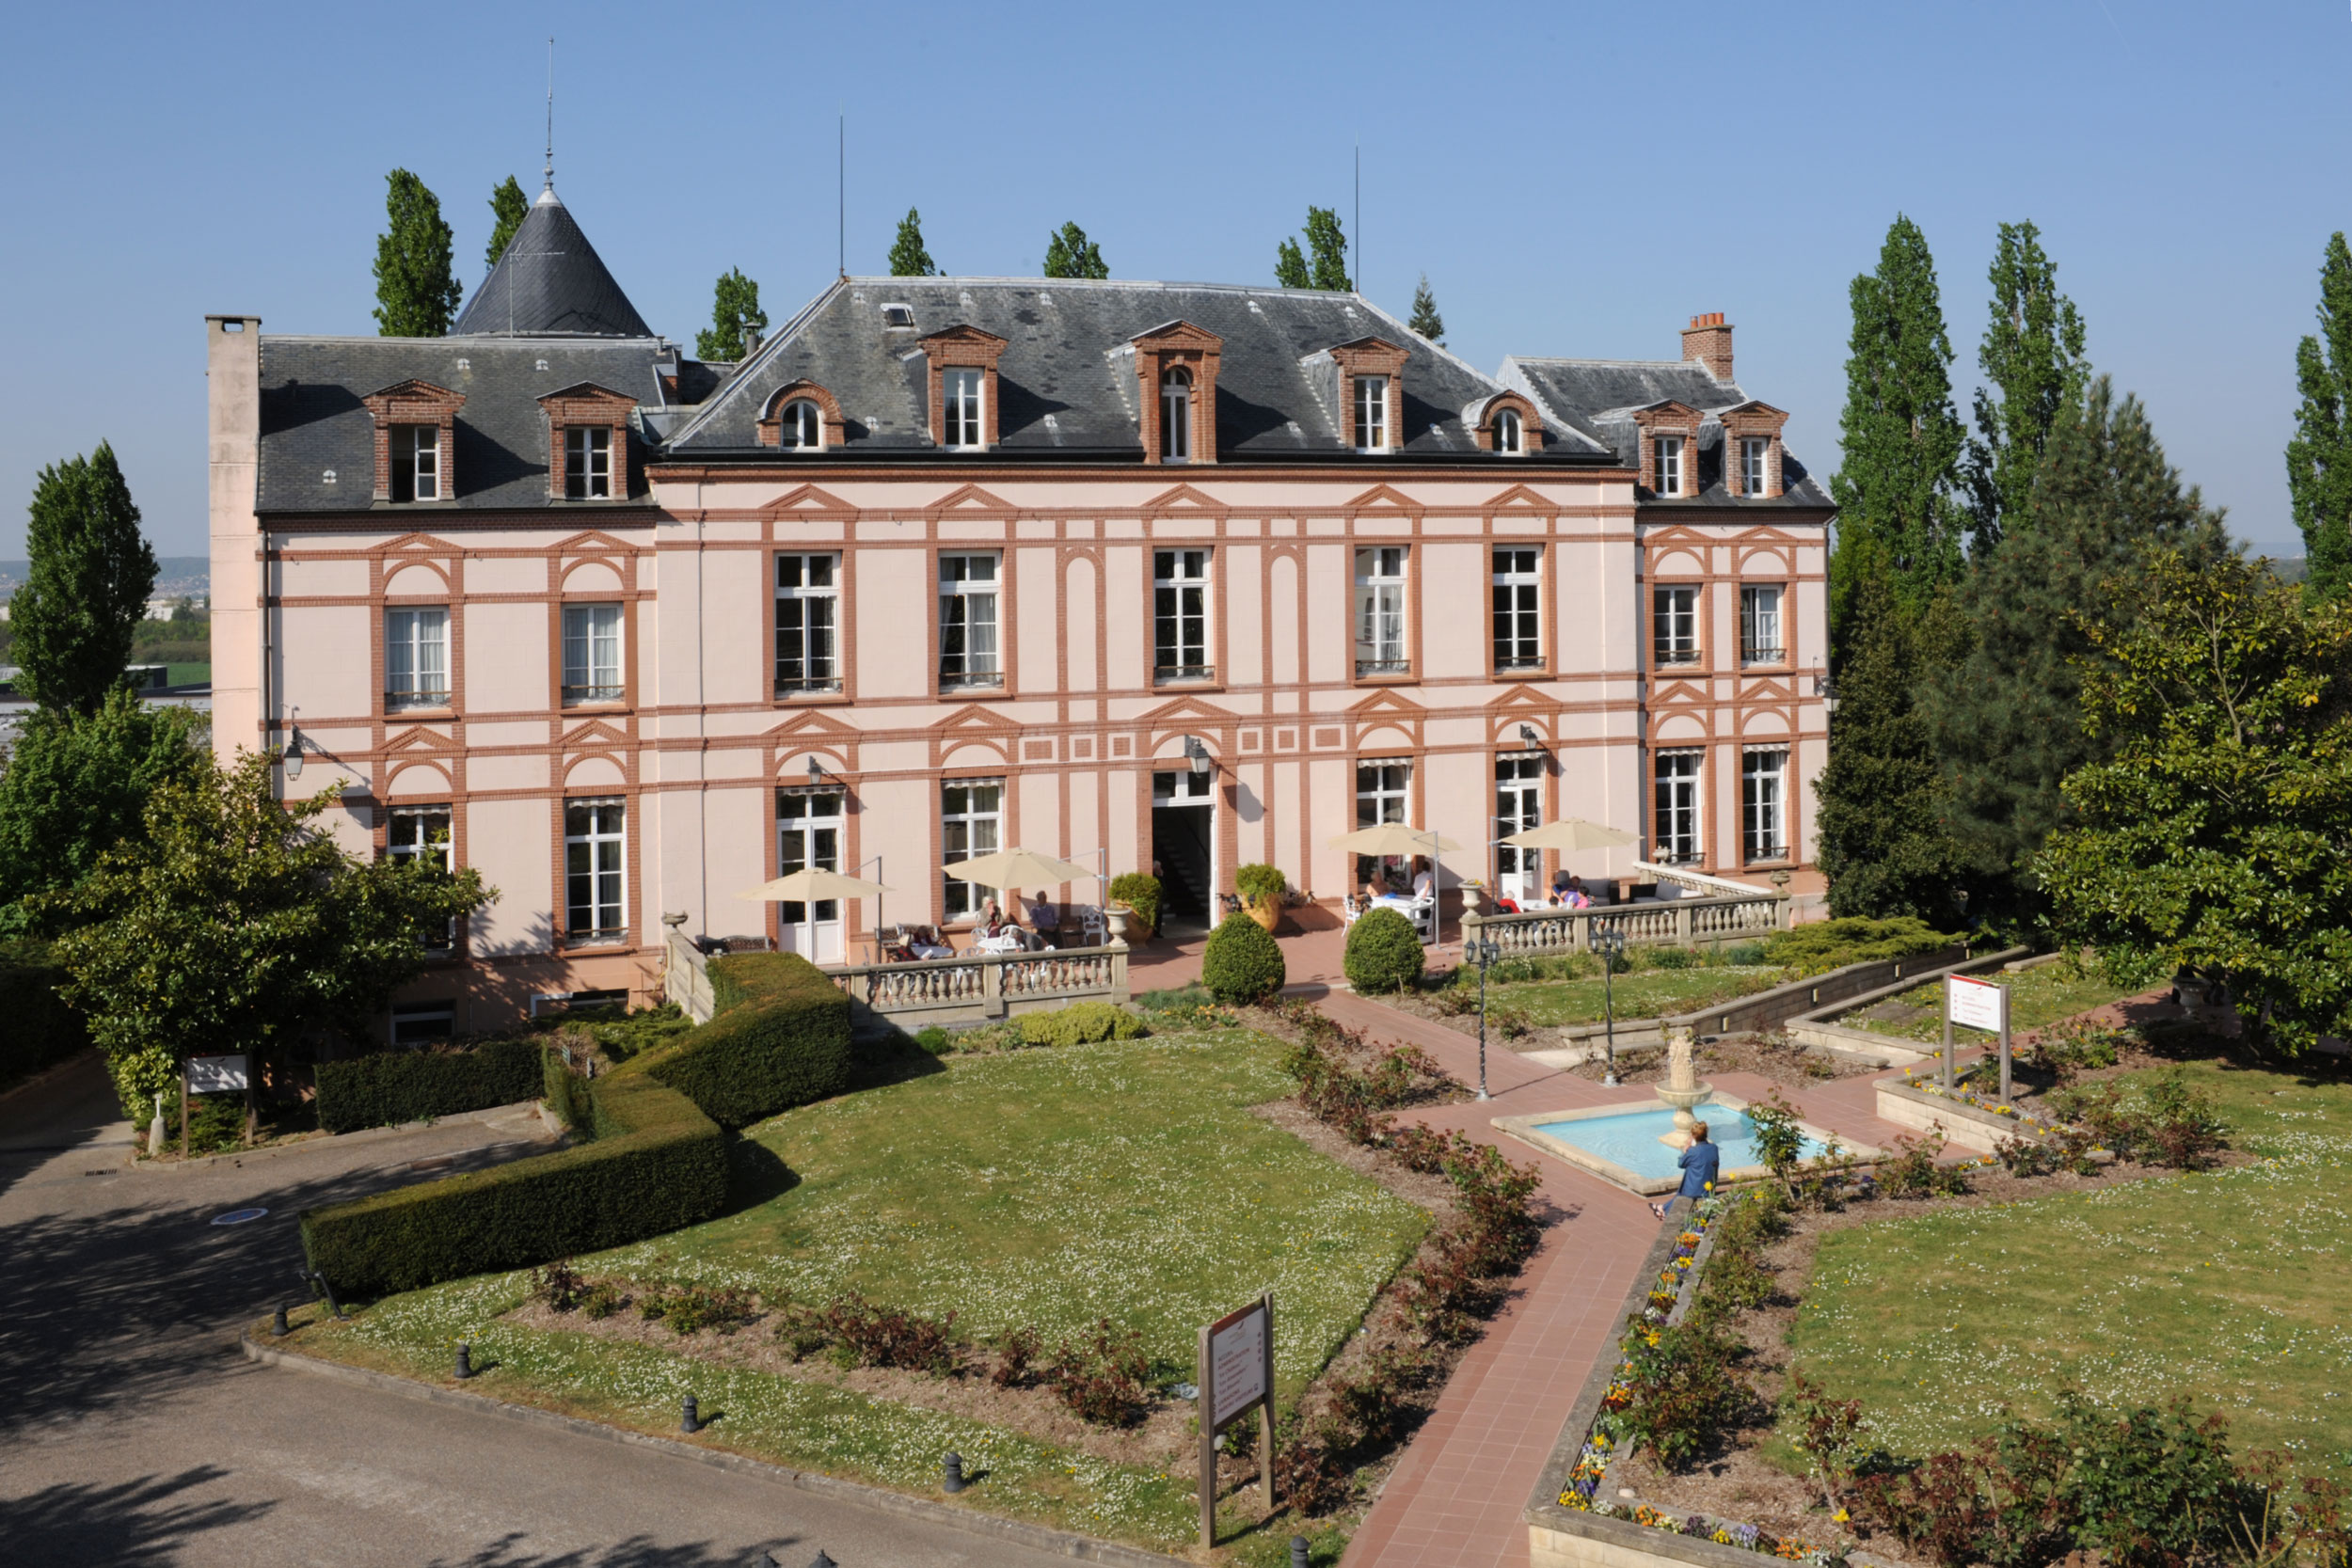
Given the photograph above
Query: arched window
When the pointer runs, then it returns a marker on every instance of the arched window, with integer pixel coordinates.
(803, 425)
(1176, 415)
(1507, 431)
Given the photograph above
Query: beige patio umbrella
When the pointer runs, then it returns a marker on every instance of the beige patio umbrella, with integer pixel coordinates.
(1012, 868)
(1570, 833)
(1392, 838)
(807, 887)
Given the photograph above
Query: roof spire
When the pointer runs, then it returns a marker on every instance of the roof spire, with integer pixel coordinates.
(550, 172)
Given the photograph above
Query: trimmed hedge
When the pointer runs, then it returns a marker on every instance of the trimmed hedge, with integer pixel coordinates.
(1081, 1024)
(1141, 891)
(1383, 953)
(1827, 945)
(657, 1163)
(392, 1087)
(42, 1030)
(1241, 962)
(781, 1038)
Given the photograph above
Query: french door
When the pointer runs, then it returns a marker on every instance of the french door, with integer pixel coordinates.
(808, 837)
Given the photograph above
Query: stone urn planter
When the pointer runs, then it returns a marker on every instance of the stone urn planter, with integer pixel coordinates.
(1266, 914)
(1474, 896)
(1116, 917)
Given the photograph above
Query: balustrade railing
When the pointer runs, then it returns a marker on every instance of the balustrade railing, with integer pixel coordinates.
(987, 985)
(1678, 922)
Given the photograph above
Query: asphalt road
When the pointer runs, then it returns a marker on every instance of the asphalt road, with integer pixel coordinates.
(132, 1431)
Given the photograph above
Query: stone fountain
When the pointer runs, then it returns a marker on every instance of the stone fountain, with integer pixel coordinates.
(1682, 1088)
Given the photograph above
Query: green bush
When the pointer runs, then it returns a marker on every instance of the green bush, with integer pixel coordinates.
(781, 1038)
(1081, 1024)
(42, 1030)
(1241, 961)
(1828, 944)
(1141, 891)
(565, 1091)
(1261, 884)
(655, 1164)
(392, 1087)
(931, 1037)
(1383, 953)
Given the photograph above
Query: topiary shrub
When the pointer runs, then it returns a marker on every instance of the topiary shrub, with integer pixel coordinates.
(1261, 884)
(781, 1038)
(1828, 944)
(392, 1087)
(1383, 953)
(41, 1029)
(1241, 962)
(1141, 891)
(1081, 1024)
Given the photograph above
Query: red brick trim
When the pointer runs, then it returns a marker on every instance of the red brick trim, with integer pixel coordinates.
(828, 408)
(415, 402)
(1482, 422)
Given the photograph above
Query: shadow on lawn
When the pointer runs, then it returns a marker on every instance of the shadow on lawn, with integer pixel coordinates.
(149, 1520)
(637, 1552)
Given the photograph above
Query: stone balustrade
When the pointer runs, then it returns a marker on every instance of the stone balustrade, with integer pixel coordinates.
(1678, 922)
(978, 986)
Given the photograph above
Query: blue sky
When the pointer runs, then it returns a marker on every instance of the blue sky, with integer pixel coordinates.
(1574, 179)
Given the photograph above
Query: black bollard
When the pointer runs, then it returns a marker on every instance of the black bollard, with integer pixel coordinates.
(278, 1329)
(690, 1419)
(465, 1362)
(951, 1473)
(1298, 1551)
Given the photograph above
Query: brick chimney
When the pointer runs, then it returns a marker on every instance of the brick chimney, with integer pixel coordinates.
(1707, 340)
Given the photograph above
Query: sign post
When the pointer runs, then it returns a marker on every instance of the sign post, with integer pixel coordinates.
(1976, 1004)
(213, 1075)
(1236, 1372)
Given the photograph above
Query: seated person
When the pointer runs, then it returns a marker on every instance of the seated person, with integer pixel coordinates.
(1561, 882)
(1046, 920)
(1577, 899)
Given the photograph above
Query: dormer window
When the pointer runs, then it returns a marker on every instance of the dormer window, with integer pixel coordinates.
(960, 395)
(1752, 439)
(416, 463)
(587, 442)
(1176, 415)
(802, 427)
(962, 375)
(588, 463)
(899, 317)
(416, 423)
(1371, 413)
(1666, 464)
(1753, 450)
(1508, 438)
(801, 417)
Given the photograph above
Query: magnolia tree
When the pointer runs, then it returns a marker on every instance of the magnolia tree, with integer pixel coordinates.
(235, 923)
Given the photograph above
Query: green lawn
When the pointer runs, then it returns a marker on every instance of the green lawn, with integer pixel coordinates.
(2037, 997)
(2227, 1287)
(1037, 1188)
(1645, 993)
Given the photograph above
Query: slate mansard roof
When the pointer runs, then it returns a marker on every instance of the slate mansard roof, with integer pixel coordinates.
(1067, 375)
(1597, 399)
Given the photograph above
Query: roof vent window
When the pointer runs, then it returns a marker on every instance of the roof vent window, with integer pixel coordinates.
(899, 317)
(327, 478)
(543, 364)
(464, 364)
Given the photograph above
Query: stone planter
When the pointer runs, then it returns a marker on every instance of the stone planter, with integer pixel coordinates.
(1117, 915)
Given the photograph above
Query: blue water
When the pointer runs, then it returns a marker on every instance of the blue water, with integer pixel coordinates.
(1631, 1140)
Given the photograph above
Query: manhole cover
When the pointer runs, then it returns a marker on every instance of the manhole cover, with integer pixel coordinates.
(239, 1217)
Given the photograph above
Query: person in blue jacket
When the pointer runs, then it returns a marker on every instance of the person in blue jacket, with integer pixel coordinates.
(1700, 1162)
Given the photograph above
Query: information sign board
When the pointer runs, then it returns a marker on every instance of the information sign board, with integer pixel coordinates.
(1236, 1376)
(216, 1074)
(1237, 1358)
(1978, 1004)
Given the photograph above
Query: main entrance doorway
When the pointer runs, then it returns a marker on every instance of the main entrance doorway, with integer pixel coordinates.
(1183, 841)
(808, 836)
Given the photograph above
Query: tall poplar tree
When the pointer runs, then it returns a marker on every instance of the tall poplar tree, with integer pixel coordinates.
(735, 314)
(908, 258)
(1425, 319)
(1902, 440)
(416, 291)
(1323, 263)
(1290, 266)
(2319, 459)
(1070, 254)
(2032, 354)
(508, 208)
(86, 592)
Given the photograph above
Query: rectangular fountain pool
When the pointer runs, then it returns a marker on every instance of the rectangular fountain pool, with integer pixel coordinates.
(1625, 1145)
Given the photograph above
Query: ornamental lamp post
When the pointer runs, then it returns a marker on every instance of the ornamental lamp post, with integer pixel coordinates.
(1610, 943)
(1484, 952)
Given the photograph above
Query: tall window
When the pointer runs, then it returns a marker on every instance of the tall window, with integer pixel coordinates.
(1381, 790)
(960, 407)
(1371, 413)
(1763, 804)
(416, 658)
(807, 602)
(588, 461)
(803, 428)
(595, 877)
(1180, 615)
(1752, 454)
(1380, 611)
(808, 838)
(592, 654)
(1507, 437)
(967, 621)
(1759, 625)
(1666, 464)
(422, 833)
(416, 463)
(1518, 806)
(971, 814)
(1674, 827)
(1176, 415)
(1519, 593)
(1675, 624)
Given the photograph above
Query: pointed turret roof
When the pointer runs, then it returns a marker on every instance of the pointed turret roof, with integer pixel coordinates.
(549, 282)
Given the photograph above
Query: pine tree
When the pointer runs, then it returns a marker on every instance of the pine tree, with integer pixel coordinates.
(508, 207)
(1901, 438)
(86, 592)
(1290, 267)
(1070, 254)
(2006, 719)
(1425, 318)
(2319, 459)
(2032, 354)
(735, 314)
(416, 291)
(908, 259)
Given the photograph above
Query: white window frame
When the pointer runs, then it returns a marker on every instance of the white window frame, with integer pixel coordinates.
(971, 615)
(971, 824)
(415, 462)
(1762, 624)
(416, 656)
(1373, 413)
(1510, 438)
(1678, 811)
(801, 427)
(1518, 607)
(408, 835)
(1518, 806)
(808, 622)
(594, 654)
(812, 825)
(1176, 415)
(962, 390)
(1383, 636)
(596, 869)
(1666, 454)
(1754, 464)
(1764, 803)
(1179, 616)
(1673, 625)
(588, 461)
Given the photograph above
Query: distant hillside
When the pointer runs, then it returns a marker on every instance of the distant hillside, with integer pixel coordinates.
(176, 575)
(2291, 568)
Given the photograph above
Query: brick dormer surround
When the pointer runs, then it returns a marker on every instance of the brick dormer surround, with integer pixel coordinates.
(828, 413)
(1707, 340)
(963, 345)
(1371, 356)
(1670, 418)
(587, 404)
(1196, 349)
(1753, 418)
(415, 402)
(1480, 418)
